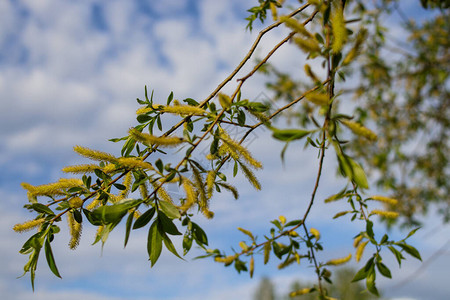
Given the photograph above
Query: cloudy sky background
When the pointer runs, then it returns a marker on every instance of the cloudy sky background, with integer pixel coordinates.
(70, 72)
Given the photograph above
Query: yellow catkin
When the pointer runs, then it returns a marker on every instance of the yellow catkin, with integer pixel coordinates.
(282, 219)
(109, 168)
(310, 73)
(143, 190)
(127, 182)
(135, 162)
(95, 154)
(200, 187)
(93, 204)
(252, 267)
(301, 292)
(226, 260)
(191, 195)
(51, 189)
(383, 199)
(315, 233)
(149, 139)
(318, 98)
(75, 231)
(210, 177)
(287, 263)
(307, 45)
(360, 130)
(28, 225)
(208, 214)
(360, 250)
(250, 176)
(184, 110)
(231, 189)
(384, 213)
(357, 240)
(80, 169)
(338, 29)
(162, 193)
(339, 261)
(76, 202)
(144, 110)
(243, 152)
(356, 49)
(225, 149)
(296, 26)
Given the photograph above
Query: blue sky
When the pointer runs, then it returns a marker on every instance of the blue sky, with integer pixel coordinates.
(70, 72)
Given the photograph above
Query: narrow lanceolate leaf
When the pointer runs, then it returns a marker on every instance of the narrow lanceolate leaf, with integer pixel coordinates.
(50, 258)
(144, 218)
(154, 243)
(289, 134)
(128, 228)
(169, 245)
(267, 249)
(410, 250)
(384, 270)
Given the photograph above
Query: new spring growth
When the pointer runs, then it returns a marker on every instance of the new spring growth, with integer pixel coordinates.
(149, 139)
(338, 28)
(383, 199)
(231, 189)
(228, 260)
(357, 240)
(310, 73)
(81, 169)
(384, 213)
(224, 101)
(95, 154)
(360, 130)
(76, 202)
(318, 98)
(339, 261)
(210, 182)
(28, 225)
(360, 250)
(307, 45)
(301, 292)
(315, 233)
(250, 176)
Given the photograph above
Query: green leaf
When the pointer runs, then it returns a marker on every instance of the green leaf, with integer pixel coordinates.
(412, 232)
(167, 225)
(77, 216)
(92, 219)
(369, 229)
(187, 243)
(50, 258)
(398, 255)
(154, 243)
(410, 250)
(169, 209)
(143, 118)
(352, 170)
(384, 270)
(361, 274)
(41, 208)
(159, 164)
(370, 282)
(169, 245)
(120, 186)
(289, 134)
(199, 235)
(128, 228)
(144, 218)
(108, 214)
(170, 98)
